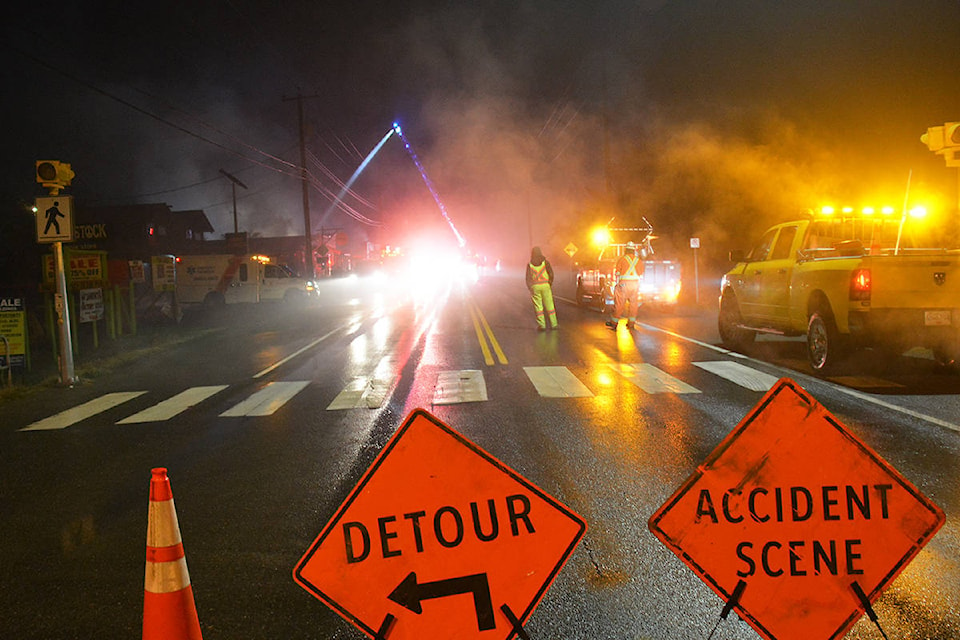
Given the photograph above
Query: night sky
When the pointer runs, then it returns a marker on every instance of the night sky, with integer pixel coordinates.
(533, 119)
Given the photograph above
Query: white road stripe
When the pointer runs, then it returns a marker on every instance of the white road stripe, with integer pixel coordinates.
(81, 412)
(557, 382)
(362, 393)
(807, 381)
(871, 382)
(296, 353)
(454, 387)
(651, 379)
(745, 376)
(267, 400)
(173, 406)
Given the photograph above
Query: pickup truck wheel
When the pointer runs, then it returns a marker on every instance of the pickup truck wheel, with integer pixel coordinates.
(825, 346)
(945, 360)
(581, 298)
(729, 320)
(600, 300)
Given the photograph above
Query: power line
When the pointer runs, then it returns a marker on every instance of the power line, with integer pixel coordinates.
(143, 111)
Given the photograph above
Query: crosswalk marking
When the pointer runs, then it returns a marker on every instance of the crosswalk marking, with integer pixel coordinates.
(557, 382)
(454, 387)
(740, 374)
(174, 406)
(66, 418)
(267, 400)
(362, 393)
(651, 379)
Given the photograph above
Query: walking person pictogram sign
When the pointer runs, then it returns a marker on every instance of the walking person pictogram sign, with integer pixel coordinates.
(54, 219)
(439, 540)
(793, 521)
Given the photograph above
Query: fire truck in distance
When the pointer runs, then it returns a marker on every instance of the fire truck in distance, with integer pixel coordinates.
(661, 281)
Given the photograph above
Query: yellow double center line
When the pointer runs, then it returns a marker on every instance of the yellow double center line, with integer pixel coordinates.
(480, 325)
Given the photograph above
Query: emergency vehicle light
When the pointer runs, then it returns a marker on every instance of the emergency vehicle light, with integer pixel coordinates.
(846, 212)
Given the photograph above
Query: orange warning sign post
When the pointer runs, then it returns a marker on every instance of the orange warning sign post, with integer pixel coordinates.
(436, 539)
(801, 514)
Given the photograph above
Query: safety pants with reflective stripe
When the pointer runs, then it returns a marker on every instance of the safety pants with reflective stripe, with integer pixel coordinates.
(626, 299)
(542, 296)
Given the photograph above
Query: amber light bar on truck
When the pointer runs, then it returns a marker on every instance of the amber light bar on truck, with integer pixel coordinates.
(860, 285)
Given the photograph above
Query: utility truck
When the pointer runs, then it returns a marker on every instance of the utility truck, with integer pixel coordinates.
(215, 280)
(846, 281)
(659, 285)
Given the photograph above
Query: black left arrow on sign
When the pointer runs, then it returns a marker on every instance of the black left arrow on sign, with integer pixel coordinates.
(410, 593)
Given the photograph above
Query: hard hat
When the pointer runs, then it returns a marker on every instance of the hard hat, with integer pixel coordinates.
(630, 245)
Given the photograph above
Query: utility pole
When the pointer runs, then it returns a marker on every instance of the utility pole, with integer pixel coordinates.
(235, 183)
(307, 236)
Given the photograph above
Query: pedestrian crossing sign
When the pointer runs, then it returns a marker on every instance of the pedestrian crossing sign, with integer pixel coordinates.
(54, 219)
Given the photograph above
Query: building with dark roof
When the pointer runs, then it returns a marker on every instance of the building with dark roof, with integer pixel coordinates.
(138, 231)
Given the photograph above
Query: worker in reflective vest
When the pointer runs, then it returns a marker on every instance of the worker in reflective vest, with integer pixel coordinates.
(626, 293)
(539, 282)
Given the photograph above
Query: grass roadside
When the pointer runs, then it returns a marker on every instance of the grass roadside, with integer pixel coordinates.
(111, 356)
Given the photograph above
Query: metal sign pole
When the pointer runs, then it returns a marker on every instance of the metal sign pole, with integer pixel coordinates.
(61, 303)
(696, 278)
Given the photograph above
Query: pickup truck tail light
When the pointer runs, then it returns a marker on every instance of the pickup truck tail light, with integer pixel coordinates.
(860, 284)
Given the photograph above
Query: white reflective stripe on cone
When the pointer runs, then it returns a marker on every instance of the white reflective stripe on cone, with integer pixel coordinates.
(166, 577)
(163, 530)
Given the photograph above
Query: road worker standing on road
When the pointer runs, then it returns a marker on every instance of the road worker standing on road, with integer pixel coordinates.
(626, 293)
(540, 283)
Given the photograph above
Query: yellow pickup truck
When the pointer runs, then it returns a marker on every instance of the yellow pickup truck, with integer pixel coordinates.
(846, 282)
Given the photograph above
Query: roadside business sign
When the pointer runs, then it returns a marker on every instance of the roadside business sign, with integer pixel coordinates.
(81, 267)
(13, 327)
(91, 305)
(439, 540)
(164, 272)
(138, 273)
(799, 514)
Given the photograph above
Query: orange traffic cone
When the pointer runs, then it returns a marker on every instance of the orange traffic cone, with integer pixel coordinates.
(169, 612)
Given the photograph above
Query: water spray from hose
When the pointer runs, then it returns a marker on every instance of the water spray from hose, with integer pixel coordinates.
(356, 174)
(423, 173)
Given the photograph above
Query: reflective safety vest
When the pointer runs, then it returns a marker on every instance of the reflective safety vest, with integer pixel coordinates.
(631, 271)
(540, 275)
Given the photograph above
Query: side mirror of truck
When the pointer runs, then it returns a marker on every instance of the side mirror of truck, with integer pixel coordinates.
(736, 255)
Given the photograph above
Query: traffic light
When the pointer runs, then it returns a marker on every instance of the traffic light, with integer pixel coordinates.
(933, 138)
(944, 141)
(54, 174)
(951, 134)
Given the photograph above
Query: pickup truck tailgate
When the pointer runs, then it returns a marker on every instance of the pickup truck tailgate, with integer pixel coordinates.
(914, 281)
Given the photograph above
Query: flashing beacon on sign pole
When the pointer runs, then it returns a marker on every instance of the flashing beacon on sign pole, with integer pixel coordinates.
(54, 218)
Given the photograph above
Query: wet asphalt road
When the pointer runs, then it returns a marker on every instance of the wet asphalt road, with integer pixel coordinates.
(253, 491)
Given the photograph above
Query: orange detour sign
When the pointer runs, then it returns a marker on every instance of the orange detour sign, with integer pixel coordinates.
(797, 516)
(439, 540)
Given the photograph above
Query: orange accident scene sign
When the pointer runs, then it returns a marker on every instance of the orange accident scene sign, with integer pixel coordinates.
(439, 540)
(800, 515)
